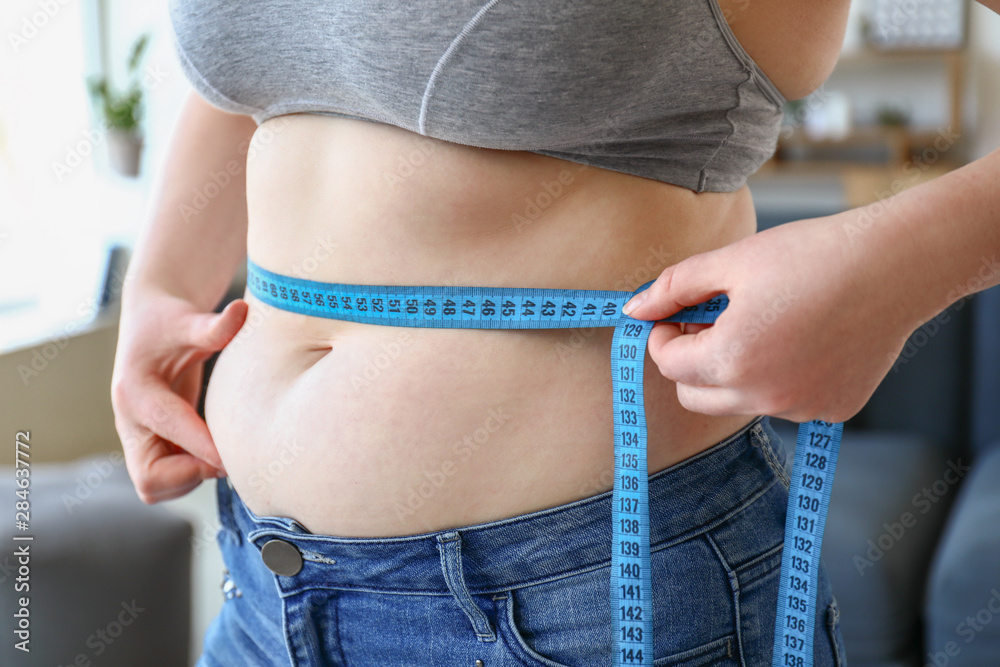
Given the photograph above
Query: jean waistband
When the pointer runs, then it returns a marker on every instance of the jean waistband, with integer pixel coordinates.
(686, 500)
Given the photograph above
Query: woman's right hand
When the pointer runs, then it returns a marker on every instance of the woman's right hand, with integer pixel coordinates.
(162, 345)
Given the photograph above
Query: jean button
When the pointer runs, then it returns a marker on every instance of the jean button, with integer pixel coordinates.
(282, 558)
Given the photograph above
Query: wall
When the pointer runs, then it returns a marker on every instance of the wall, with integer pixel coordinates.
(61, 392)
(985, 78)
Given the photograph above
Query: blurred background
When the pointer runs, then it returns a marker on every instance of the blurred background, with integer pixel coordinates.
(89, 91)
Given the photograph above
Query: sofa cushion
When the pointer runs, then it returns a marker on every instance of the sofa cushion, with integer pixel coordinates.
(986, 371)
(963, 604)
(108, 577)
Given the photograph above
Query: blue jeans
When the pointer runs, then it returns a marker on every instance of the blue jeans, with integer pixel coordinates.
(529, 591)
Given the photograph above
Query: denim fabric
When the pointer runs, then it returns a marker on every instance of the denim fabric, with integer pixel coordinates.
(528, 591)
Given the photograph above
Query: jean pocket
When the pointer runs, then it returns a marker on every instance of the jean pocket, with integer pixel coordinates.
(564, 637)
(568, 623)
(719, 653)
(836, 639)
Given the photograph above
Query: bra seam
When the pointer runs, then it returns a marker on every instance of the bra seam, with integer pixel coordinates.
(308, 106)
(762, 81)
(703, 175)
(442, 61)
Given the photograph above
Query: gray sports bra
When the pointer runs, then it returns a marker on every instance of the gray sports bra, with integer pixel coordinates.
(655, 88)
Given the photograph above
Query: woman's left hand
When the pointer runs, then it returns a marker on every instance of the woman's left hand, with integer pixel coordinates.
(814, 322)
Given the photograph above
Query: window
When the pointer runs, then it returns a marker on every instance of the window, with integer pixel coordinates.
(61, 205)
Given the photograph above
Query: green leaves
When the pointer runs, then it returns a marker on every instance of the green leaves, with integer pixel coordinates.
(122, 110)
(138, 49)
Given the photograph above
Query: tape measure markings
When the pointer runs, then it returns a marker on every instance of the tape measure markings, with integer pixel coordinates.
(456, 307)
(530, 308)
(816, 451)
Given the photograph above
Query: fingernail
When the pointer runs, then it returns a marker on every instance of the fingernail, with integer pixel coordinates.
(634, 302)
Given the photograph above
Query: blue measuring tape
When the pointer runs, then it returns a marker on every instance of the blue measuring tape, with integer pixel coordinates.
(527, 308)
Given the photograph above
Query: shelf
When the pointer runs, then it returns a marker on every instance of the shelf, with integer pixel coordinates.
(870, 54)
(899, 141)
(861, 184)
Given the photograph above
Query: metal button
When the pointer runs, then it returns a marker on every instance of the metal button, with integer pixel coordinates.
(480, 663)
(281, 558)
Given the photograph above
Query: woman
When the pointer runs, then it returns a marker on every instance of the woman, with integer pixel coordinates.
(440, 494)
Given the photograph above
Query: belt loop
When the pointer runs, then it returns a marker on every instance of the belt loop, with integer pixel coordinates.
(450, 547)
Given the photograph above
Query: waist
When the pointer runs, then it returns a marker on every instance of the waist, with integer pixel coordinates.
(337, 423)
(688, 499)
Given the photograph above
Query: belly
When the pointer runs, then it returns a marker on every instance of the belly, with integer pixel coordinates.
(360, 430)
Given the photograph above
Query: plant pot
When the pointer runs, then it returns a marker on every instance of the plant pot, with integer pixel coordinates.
(125, 151)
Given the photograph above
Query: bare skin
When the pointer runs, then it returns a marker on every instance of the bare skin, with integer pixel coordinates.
(341, 425)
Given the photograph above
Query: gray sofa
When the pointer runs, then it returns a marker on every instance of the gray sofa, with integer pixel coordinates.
(109, 578)
(963, 603)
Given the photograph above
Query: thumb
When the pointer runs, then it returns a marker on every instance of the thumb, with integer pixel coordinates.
(213, 331)
(696, 279)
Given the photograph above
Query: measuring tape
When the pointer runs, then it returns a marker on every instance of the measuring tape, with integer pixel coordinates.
(529, 308)
(816, 450)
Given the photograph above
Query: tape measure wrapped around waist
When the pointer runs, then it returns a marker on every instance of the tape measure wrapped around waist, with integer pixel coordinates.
(528, 308)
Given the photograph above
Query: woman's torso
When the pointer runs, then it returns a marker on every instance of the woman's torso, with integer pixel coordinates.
(357, 430)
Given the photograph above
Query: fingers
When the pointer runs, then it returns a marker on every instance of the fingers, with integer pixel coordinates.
(165, 477)
(684, 358)
(155, 389)
(687, 283)
(697, 388)
(213, 331)
(188, 383)
(159, 468)
(169, 416)
(151, 419)
(176, 476)
(715, 401)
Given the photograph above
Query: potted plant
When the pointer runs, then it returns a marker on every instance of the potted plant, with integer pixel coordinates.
(122, 113)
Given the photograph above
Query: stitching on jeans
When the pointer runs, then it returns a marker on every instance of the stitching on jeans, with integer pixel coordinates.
(340, 641)
(832, 626)
(762, 442)
(734, 584)
(507, 604)
(317, 558)
(715, 522)
(291, 646)
(767, 555)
